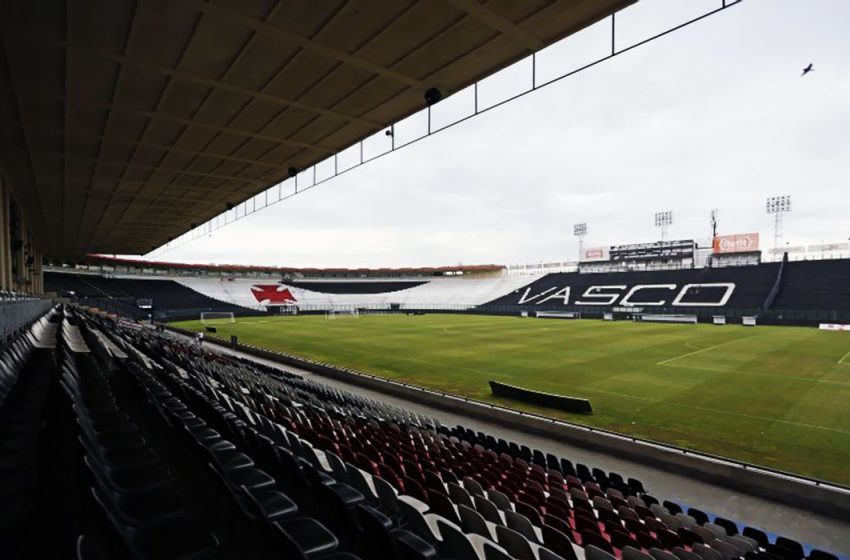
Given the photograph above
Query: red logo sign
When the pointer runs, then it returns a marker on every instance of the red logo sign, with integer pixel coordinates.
(742, 243)
(272, 293)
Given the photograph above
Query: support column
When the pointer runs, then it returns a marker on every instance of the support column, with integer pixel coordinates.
(37, 273)
(17, 252)
(5, 272)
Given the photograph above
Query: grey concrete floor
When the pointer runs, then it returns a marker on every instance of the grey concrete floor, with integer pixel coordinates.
(823, 532)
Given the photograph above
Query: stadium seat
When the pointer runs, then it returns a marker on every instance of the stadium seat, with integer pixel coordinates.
(759, 536)
(672, 507)
(559, 542)
(730, 527)
(472, 522)
(593, 552)
(683, 554)
(89, 549)
(304, 538)
(521, 524)
(660, 554)
(816, 554)
(487, 509)
(706, 552)
(698, 515)
(161, 540)
(418, 523)
(631, 553)
(455, 545)
(516, 544)
(494, 552)
(792, 545)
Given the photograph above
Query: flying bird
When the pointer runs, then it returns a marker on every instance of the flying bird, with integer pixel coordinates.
(807, 69)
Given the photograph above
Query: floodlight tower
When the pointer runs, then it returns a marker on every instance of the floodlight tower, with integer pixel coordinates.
(778, 206)
(580, 231)
(664, 220)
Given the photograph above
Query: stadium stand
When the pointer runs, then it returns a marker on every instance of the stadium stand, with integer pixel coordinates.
(815, 285)
(751, 285)
(803, 292)
(187, 454)
(357, 287)
(185, 297)
(171, 300)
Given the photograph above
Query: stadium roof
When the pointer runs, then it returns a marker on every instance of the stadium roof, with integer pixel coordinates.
(106, 260)
(125, 124)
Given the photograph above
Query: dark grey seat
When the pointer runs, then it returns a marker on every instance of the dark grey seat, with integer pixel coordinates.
(454, 543)
(593, 553)
(473, 522)
(515, 543)
(487, 509)
(520, 523)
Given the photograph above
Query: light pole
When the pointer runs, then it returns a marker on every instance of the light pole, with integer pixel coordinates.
(663, 220)
(778, 206)
(580, 231)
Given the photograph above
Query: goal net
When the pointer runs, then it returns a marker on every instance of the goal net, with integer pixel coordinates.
(342, 314)
(217, 317)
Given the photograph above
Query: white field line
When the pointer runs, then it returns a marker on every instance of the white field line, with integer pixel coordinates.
(760, 374)
(719, 411)
(844, 357)
(700, 351)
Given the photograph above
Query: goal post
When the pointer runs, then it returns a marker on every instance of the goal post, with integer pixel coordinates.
(342, 314)
(217, 317)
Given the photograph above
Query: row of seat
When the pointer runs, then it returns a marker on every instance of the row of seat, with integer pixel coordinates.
(132, 484)
(256, 494)
(26, 368)
(353, 516)
(546, 496)
(12, 295)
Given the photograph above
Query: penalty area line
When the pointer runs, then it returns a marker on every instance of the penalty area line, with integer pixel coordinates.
(701, 350)
(844, 357)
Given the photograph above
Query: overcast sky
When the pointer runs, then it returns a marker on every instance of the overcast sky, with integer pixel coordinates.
(713, 116)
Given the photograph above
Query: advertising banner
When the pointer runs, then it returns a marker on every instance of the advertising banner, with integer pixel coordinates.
(740, 243)
(594, 254)
(788, 249)
(829, 247)
(833, 327)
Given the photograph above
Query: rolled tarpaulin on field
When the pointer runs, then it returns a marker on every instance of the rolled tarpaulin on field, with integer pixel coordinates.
(539, 398)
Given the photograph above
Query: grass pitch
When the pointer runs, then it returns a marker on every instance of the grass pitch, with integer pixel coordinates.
(774, 396)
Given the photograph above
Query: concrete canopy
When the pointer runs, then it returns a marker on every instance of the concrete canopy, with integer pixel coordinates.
(125, 123)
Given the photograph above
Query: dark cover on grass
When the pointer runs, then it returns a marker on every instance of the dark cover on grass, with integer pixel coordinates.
(550, 400)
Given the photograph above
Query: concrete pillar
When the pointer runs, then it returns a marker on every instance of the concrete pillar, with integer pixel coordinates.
(29, 253)
(5, 235)
(37, 273)
(18, 241)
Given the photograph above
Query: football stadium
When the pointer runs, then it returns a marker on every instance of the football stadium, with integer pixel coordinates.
(675, 399)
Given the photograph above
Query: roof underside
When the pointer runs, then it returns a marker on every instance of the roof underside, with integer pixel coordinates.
(125, 122)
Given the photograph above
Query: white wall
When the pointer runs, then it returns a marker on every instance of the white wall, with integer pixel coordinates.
(435, 293)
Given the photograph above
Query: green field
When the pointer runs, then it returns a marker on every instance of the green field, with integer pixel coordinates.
(775, 396)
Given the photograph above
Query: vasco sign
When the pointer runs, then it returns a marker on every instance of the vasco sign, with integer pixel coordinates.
(714, 294)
